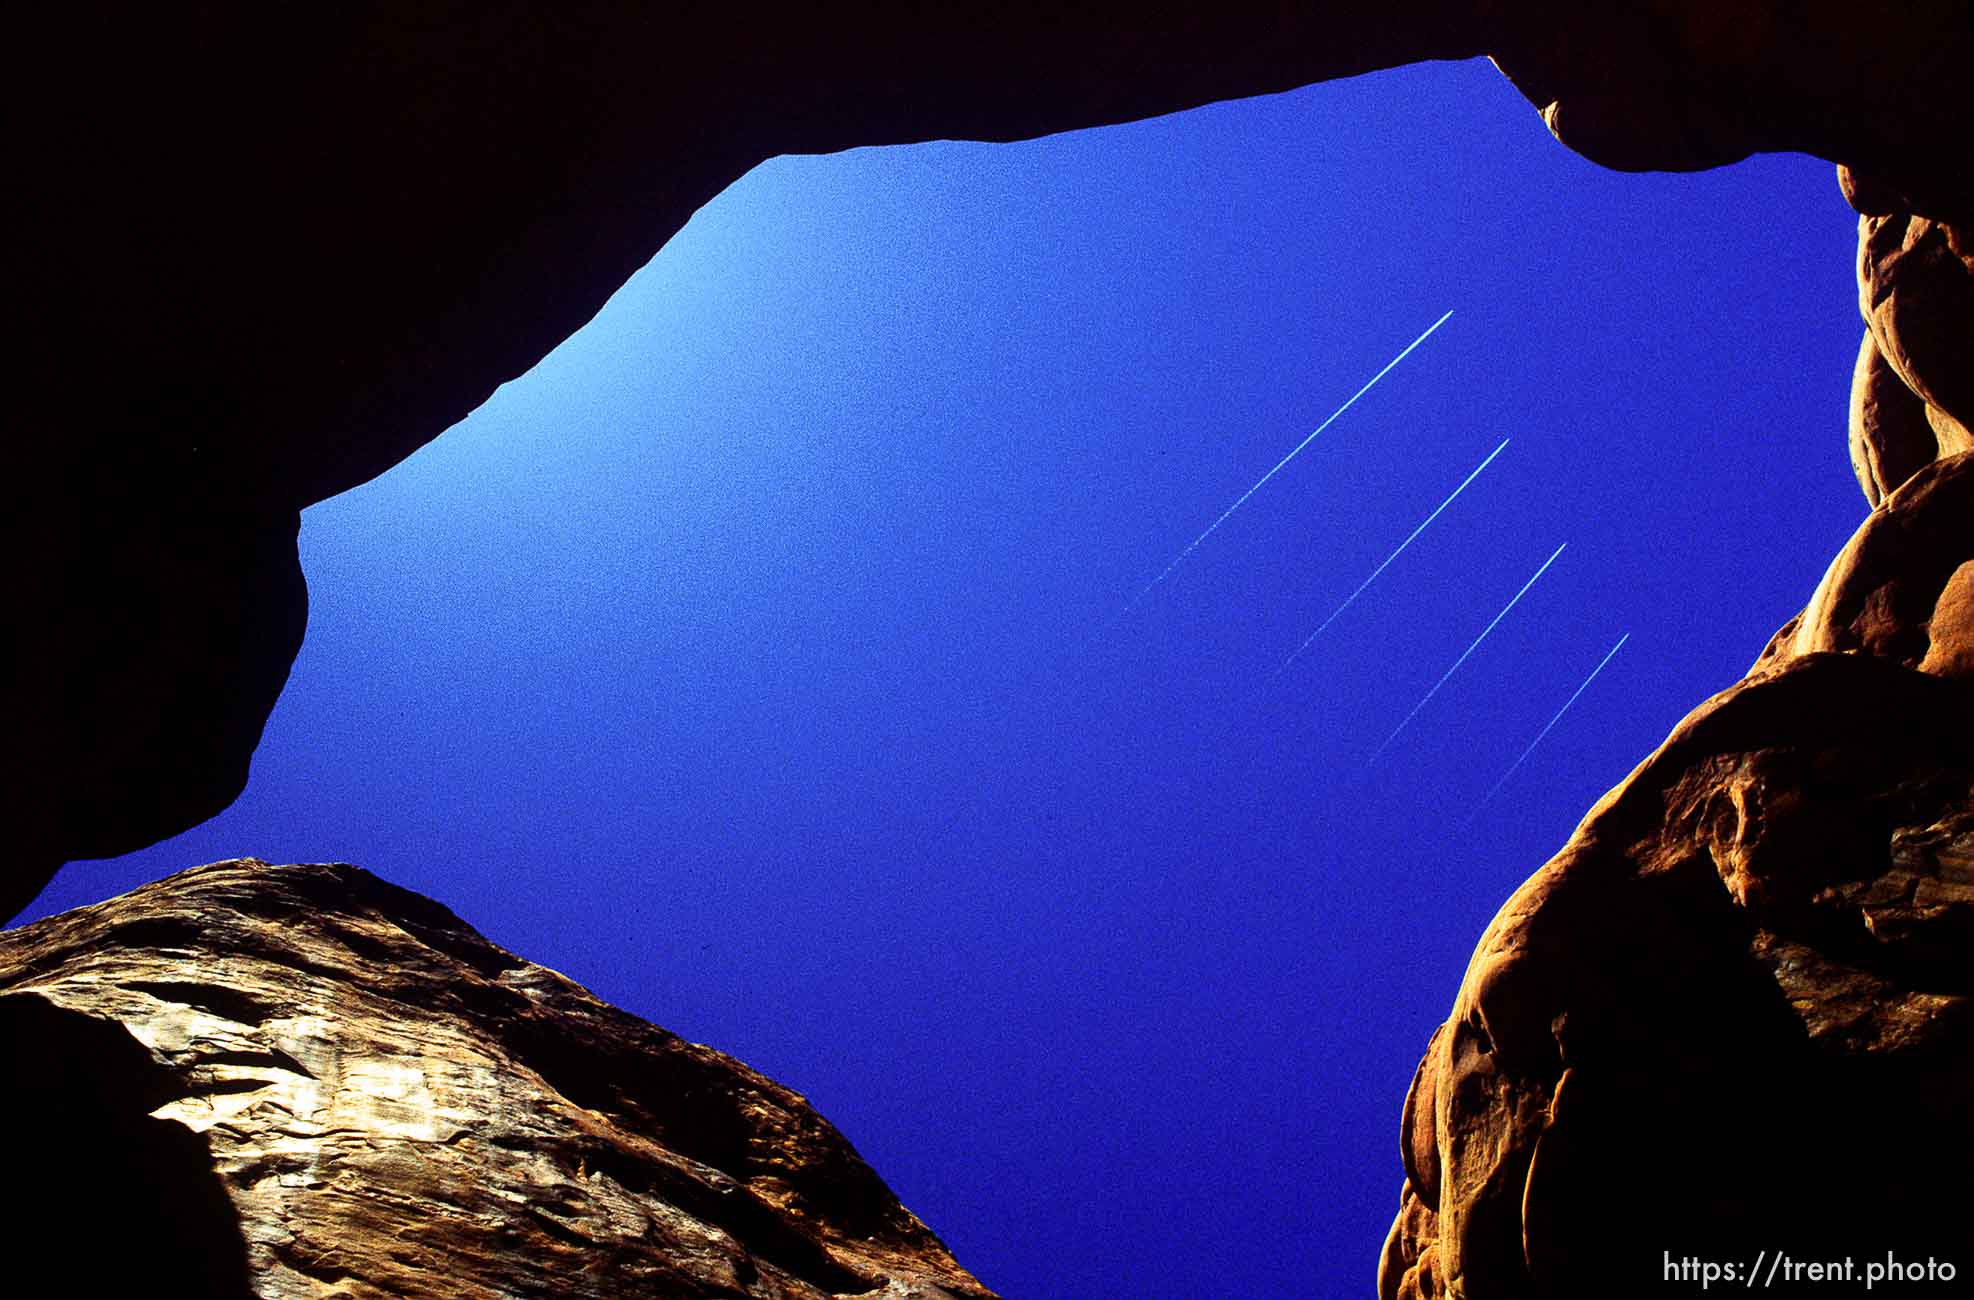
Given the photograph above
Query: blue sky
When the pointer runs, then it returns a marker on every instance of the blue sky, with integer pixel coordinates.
(766, 658)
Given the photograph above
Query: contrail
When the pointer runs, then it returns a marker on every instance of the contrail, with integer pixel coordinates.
(1310, 640)
(1463, 655)
(1553, 721)
(1194, 545)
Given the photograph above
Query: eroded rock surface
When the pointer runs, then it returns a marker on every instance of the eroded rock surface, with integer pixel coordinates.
(1734, 1010)
(1912, 398)
(1902, 588)
(302, 1081)
(256, 255)
(1733, 1014)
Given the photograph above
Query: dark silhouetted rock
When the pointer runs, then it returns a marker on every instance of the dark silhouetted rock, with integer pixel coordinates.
(1686, 84)
(303, 1081)
(99, 1187)
(255, 255)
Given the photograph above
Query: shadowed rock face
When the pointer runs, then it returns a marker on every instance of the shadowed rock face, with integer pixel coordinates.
(308, 1077)
(83, 1150)
(257, 254)
(1734, 1012)
(1685, 84)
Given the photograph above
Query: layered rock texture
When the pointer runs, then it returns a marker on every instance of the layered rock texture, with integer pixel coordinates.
(1912, 395)
(258, 254)
(290, 1081)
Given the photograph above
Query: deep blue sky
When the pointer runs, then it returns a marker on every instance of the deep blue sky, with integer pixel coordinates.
(757, 659)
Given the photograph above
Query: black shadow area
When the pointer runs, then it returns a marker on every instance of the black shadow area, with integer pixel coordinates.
(100, 1195)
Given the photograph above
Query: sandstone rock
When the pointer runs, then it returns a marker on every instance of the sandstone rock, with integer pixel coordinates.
(1900, 587)
(261, 255)
(1733, 1013)
(1916, 292)
(1891, 438)
(303, 1081)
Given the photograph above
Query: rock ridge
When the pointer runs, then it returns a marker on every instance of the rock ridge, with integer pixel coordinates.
(1735, 1008)
(333, 1082)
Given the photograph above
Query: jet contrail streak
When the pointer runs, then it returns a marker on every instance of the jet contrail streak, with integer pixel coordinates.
(1194, 545)
(1310, 640)
(1463, 655)
(1553, 721)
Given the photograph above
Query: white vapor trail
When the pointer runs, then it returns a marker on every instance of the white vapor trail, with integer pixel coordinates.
(1334, 614)
(1194, 545)
(1464, 654)
(1553, 721)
